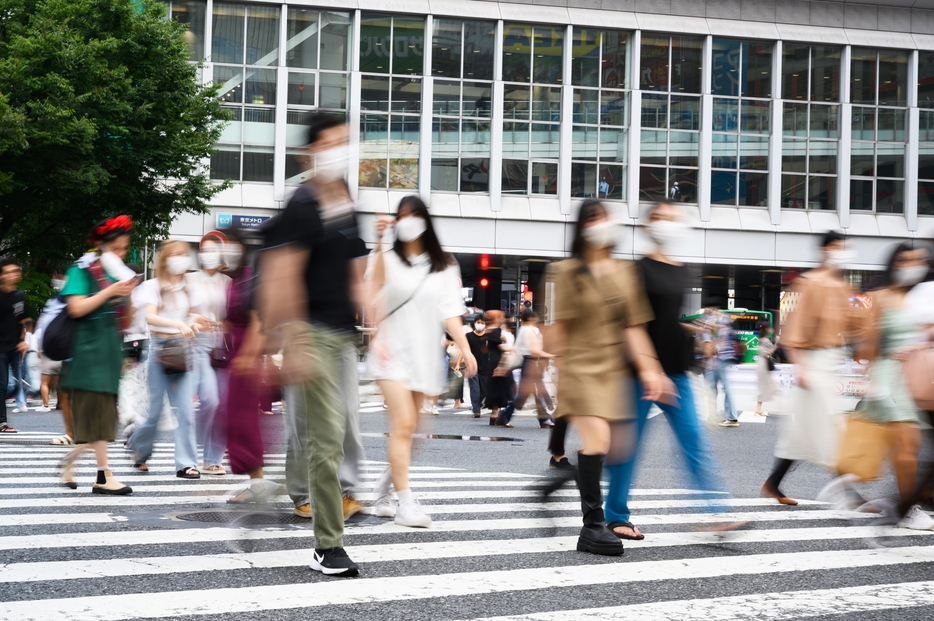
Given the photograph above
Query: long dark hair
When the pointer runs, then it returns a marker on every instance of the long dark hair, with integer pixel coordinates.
(440, 260)
(887, 280)
(589, 209)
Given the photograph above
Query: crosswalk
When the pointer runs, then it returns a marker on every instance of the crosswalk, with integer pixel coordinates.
(494, 552)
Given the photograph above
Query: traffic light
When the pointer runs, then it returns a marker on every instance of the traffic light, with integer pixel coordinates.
(484, 282)
(526, 296)
(484, 261)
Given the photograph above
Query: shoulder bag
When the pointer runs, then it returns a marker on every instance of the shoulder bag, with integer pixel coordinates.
(919, 375)
(174, 353)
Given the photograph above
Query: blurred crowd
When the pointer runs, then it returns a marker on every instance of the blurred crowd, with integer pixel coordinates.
(206, 347)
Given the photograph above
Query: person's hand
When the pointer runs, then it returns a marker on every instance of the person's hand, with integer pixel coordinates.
(470, 364)
(22, 347)
(184, 329)
(382, 223)
(203, 323)
(244, 364)
(121, 289)
(800, 381)
(658, 387)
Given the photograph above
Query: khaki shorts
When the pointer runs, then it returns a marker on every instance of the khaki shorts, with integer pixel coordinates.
(50, 367)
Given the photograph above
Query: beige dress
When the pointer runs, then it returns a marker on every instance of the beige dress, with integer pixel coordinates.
(595, 307)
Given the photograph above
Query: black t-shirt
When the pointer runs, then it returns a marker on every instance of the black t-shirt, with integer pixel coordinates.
(12, 312)
(665, 285)
(480, 348)
(333, 245)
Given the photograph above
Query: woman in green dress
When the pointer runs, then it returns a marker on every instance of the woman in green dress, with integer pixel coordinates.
(97, 289)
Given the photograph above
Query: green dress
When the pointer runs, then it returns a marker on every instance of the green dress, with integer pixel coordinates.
(888, 399)
(97, 356)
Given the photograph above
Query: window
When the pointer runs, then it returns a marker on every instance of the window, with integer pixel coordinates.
(742, 86)
(392, 62)
(245, 51)
(192, 13)
(926, 134)
(878, 91)
(810, 130)
(462, 63)
(670, 117)
(317, 53)
(600, 142)
(532, 71)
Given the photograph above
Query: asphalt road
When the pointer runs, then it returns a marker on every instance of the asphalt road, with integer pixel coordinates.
(492, 552)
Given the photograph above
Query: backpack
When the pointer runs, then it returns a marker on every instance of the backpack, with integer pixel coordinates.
(58, 334)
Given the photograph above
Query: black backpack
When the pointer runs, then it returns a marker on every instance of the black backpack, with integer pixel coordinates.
(59, 336)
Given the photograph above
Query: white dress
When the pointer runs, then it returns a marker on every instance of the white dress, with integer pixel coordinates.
(406, 348)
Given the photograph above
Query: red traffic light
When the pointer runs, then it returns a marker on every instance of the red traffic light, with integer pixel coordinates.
(484, 262)
(484, 282)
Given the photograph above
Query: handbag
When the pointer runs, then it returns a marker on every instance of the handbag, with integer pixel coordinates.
(173, 355)
(919, 376)
(864, 446)
(133, 350)
(220, 354)
(770, 364)
(59, 337)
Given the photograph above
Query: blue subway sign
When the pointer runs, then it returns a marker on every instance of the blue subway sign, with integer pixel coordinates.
(226, 220)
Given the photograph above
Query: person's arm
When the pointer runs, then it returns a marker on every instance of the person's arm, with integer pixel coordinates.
(254, 344)
(656, 385)
(83, 305)
(452, 325)
(154, 320)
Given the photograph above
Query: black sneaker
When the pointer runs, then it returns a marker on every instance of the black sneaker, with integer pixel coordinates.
(561, 464)
(334, 562)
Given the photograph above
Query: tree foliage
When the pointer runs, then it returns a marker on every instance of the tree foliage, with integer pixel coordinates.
(100, 113)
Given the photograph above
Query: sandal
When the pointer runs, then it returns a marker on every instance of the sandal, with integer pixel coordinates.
(141, 466)
(188, 473)
(614, 525)
(5, 428)
(63, 440)
(215, 470)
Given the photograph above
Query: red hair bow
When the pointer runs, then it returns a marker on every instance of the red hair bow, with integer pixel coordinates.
(117, 222)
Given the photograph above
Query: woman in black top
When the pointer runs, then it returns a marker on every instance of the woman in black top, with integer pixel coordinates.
(665, 282)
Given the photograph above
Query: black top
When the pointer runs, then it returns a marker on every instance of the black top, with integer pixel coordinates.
(333, 245)
(665, 285)
(12, 312)
(480, 347)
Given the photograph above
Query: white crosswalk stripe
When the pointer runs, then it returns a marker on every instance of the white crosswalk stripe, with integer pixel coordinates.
(67, 548)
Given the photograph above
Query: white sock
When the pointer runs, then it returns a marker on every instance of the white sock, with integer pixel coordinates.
(405, 495)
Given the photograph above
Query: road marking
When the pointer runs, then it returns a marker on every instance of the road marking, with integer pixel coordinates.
(523, 478)
(407, 588)
(749, 416)
(44, 519)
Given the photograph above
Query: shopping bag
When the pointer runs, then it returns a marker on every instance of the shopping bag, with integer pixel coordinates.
(864, 446)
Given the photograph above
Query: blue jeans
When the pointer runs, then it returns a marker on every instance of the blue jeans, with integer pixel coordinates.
(10, 371)
(178, 386)
(690, 435)
(204, 383)
(477, 392)
(717, 373)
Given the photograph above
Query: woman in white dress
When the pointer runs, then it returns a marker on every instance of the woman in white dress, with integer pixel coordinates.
(419, 288)
(768, 388)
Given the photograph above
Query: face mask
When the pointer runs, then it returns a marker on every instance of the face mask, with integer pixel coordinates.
(479, 327)
(602, 235)
(232, 256)
(58, 284)
(667, 234)
(331, 165)
(410, 229)
(839, 258)
(909, 276)
(210, 259)
(178, 265)
(115, 267)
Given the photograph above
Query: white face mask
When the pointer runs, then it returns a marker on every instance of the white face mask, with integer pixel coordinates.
(210, 259)
(839, 258)
(178, 265)
(232, 256)
(115, 267)
(331, 165)
(602, 235)
(667, 234)
(410, 229)
(479, 327)
(58, 284)
(909, 276)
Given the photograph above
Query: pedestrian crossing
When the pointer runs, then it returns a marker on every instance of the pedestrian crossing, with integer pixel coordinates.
(494, 552)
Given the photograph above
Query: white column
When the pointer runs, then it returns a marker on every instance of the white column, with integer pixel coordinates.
(353, 111)
(635, 124)
(207, 69)
(706, 133)
(282, 94)
(496, 126)
(566, 127)
(912, 148)
(775, 138)
(846, 139)
(424, 150)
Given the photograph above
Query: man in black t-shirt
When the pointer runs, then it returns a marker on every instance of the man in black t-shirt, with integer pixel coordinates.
(310, 276)
(13, 316)
(478, 339)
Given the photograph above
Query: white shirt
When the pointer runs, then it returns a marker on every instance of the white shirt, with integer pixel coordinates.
(171, 302)
(139, 329)
(530, 337)
(213, 293)
(919, 303)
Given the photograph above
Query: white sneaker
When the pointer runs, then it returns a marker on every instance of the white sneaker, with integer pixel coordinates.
(916, 519)
(43, 408)
(20, 410)
(384, 507)
(835, 492)
(411, 514)
(435, 410)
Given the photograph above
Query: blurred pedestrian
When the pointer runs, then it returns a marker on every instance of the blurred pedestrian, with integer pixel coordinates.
(419, 286)
(813, 339)
(530, 345)
(719, 353)
(601, 310)
(478, 339)
(97, 290)
(14, 314)
(768, 387)
(501, 385)
(455, 379)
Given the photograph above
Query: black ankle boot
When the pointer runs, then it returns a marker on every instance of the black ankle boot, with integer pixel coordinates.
(595, 537)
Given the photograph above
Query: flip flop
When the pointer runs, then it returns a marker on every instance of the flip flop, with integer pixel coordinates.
(613, 525)
(4, 428)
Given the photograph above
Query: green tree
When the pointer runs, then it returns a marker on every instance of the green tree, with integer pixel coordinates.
(106, 115)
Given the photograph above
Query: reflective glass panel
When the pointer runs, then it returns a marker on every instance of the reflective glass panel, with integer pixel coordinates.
(890, 196)
(446, 97)
(517, 52)
(722, 187)
(585, 58)
(332, 90)
(446, 50)
(516, 101)
(754, 153)
(258, 164)
(548, 50)
(475, 175)
(822, 193)
(757, 70)
(613, 145)
(374, 94)
(862, 159)
(893, 78)
(408, 52)
(926, 198)
(753, 189)
(611, 182)
(406, 95)
(613, 63)
(192, 13)
(926, 79)
(825, 74)
(476, 99)
(795, 119)
(653, 183)
(262, 40)
(653, 147)
(479, 38)
(375, 43)
(754, 117)
(613, 108)
(653, 72)
(682, 148)
(890, 160)
(301, 47)
(685, 112)
(584, 143)
(793, 191)
(682, 185)
(227, 34)
(891, 125)
(544, 178)
(725, 72)
(824, 121)
(444, 175)
(863, 123)
(861, 195)
(724, 151)
(863, 76)
(686, 54)
(515, 178)
(655, 111)
(335, 41)
(583, 180)
(795, 72)
(725, 115)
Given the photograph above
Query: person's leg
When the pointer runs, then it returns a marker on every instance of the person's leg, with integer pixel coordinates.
(353, 442)
(4, 374)
(729, 411)
(622, 468)
(475, 395)
(64, 404)
(595, 537)
(771, 487)
(204, 383)
(403, 412)
(296, 459)
(907, 443)
(16, 367)
(558, 434)
(44, 389)
(325, 421)
(143, 437)
(186, 446)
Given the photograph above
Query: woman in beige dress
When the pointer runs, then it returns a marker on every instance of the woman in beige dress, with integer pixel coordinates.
(601, 312)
